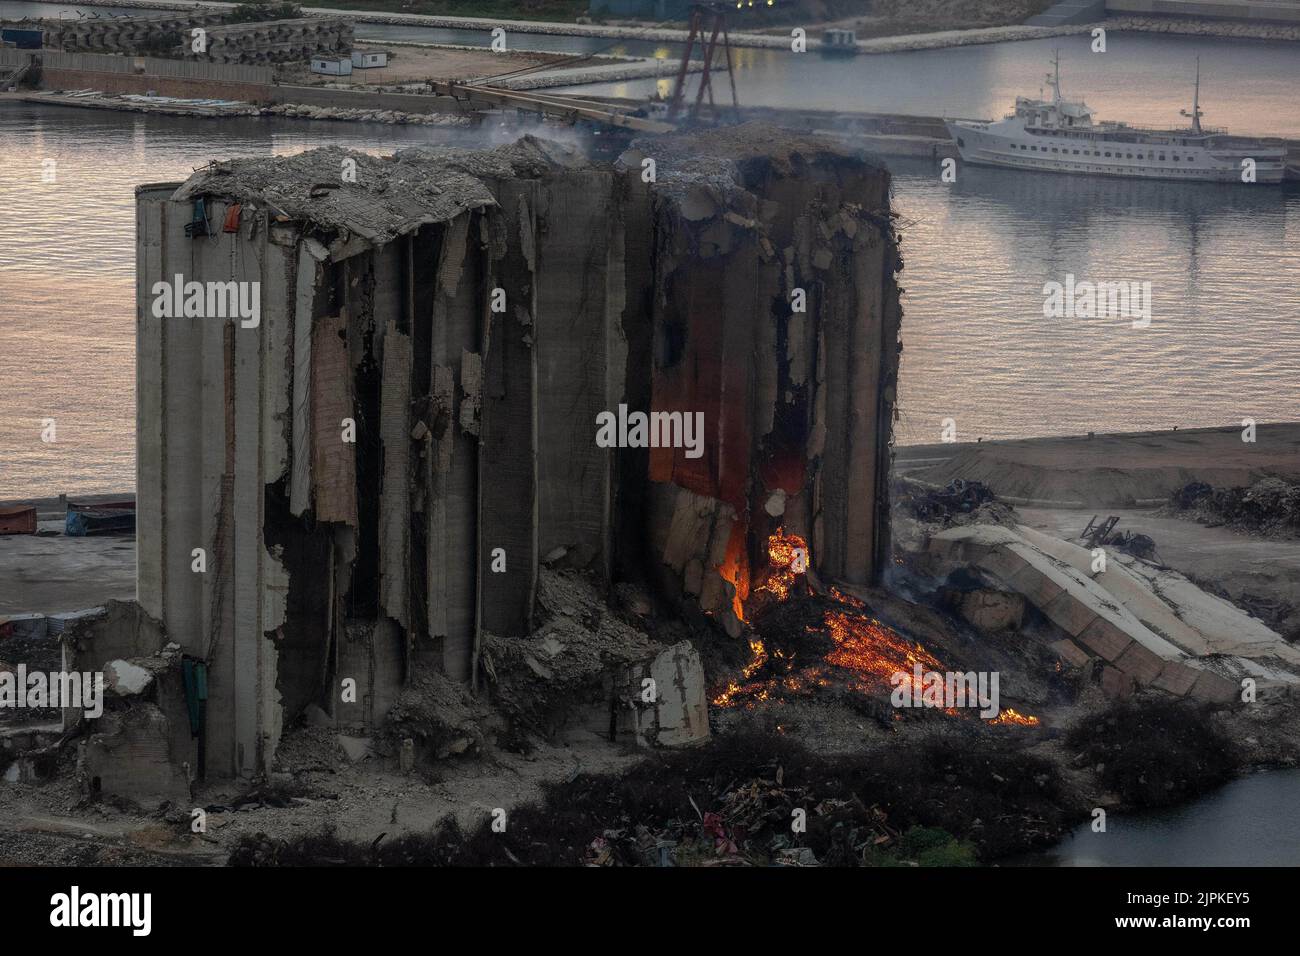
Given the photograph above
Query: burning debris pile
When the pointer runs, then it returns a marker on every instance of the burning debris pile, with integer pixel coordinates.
(805, 639)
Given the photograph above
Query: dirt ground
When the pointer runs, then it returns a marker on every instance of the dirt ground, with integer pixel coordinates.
(360, 799)
(1110, 470)
(412, 64)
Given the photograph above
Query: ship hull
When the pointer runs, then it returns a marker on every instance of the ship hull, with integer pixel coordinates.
(985, 145)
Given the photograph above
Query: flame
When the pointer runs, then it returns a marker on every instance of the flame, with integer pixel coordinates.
(788, 556)
(734, 569)
(868, 652)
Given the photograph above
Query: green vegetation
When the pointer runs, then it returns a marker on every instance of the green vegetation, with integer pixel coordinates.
(926, 846)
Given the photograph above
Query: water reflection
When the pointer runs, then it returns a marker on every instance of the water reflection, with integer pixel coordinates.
(1222, 262)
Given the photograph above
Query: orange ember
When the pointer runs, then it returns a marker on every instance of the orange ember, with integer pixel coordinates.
(865, 656)
(871, 650)
(866, 652)
(788, 556)
(1012, 716)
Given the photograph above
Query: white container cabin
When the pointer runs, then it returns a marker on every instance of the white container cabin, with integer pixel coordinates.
(331, 65)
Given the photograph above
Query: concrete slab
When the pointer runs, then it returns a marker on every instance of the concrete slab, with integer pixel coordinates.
(52, 574)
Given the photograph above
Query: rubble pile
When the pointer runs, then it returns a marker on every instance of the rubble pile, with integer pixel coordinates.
(585, 666)
(1269, 507)
(960, 502)
(749, 799)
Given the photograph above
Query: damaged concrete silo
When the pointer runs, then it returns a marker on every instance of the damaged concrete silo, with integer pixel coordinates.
(775, 314)
(373, 473)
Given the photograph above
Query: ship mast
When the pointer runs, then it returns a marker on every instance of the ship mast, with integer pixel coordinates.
(1055, 78)
(1195, 114)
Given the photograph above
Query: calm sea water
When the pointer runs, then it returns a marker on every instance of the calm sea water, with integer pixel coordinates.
(1223, 261)
(1247, 85)
(1248, 822)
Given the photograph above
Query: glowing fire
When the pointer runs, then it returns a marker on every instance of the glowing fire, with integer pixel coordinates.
(788, 556)
(869, 652)
(735, 570)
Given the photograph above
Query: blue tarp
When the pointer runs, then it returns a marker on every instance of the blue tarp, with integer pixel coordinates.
(85, 521)
(23, 39)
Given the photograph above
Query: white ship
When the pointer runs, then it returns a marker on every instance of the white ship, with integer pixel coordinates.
(1059, 135)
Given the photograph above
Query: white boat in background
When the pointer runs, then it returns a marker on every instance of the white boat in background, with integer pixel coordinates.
(1059, 135)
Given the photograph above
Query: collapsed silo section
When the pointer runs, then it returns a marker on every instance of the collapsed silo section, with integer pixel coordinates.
(773, 319)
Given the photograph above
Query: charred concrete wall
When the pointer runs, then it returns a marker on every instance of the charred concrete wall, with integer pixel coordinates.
(369, 473)
(774, 311)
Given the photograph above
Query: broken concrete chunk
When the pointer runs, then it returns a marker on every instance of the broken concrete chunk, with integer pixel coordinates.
(992, 610)
(126, 678)
(537, 667)
(699, 203)
(128, 756)
(679, 714)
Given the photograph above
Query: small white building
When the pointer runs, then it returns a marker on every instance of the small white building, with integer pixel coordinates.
(331, 65)
(369, 59)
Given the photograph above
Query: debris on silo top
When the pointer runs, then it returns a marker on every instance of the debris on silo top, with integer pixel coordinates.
(342, 193)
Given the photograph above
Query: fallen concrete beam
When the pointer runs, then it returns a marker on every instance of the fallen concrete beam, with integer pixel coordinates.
(1143, 633)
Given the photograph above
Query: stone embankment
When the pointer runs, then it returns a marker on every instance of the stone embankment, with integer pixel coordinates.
(224, 109)
(921, 41)
(396, 117)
